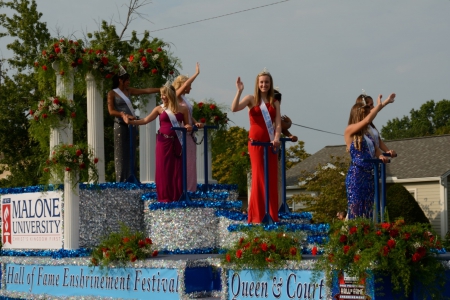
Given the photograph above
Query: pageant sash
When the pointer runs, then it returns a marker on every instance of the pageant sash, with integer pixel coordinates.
(189, 106)
(370, 145)
(127, 101)
(267, 120)
(174, 122)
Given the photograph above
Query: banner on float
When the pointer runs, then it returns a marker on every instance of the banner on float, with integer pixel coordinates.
(347, 287)
(280, 285)
(126, 283)
(32, 220)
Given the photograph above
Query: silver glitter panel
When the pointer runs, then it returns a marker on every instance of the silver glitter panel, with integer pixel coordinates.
(182, 229)
(226, 238)
(102, 212)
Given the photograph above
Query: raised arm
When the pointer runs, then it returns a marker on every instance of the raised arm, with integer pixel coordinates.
(237, 105)
(135, 92)
(354, 128)
(150, 117)
(189, 81)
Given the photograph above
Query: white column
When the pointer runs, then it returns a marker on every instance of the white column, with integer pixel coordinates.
(201, 160)
(95, 133)
(71, 214)
(64, 88)
(147, 142)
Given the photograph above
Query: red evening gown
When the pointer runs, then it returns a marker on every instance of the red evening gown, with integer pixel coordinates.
(168, 167)
(258, 132)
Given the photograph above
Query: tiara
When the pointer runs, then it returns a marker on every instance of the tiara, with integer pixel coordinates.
(277, 88)
(122, 70)
(264, 72)
(364, 95)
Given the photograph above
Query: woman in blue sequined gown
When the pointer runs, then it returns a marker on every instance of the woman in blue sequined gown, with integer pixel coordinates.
(359, 181)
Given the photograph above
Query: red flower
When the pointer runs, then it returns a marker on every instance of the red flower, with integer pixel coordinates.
(125, 240)
(256, 251)
(97, 52)
(346, 248)
(143, 58)
(46, 170)
(416, 257)
(131, 58)
(228, 257)
(104, 60)
(385, 250)
(171, 72)
(133, 258)
(154, 71)
(314, 250)
(71, 50)
(31, 112)
(155, 253)
(44, 67)
(36, 64)
(57, 50)
(108, 76)
(149, 50)
(73, 115)
(216, 118)
(56, 100)
(80, 61)
(393, 233)
(145, 64)
(421, 251)
(140, 50)
(82, 166)
(212, 106)
(73, 64)
(273, 247)
(44, 116)
(44, 53)
(61, 40)
(378, 232)
(67, 169)
(353, 230)
(200, 104)
(366, 229)
(94, 261)
(264, 247)
(148, 241)
(78, 152)
(141, 244)
(391, 244)
(247, 245)
(293, 251)
(331, 257)
(159, 49)
(239, 253)
(61, 72)
(202, 120)
(406, 236)
(256, 239)
(343, 238)
(95, 160)
(76, 43)
(70, 42)
(61, 111)
(243, 153)
(55, 45)
(356, 258)
(269, 259)
(385, 226)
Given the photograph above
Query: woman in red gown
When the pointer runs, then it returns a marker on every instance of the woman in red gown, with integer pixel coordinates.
(259, 131)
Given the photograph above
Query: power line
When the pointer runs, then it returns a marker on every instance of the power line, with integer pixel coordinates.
(221, 16)
(317, 129)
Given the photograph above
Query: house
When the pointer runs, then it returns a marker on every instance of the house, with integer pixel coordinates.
(422, 167)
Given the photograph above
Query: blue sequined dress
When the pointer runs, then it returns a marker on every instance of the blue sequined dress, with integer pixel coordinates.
(360, 183)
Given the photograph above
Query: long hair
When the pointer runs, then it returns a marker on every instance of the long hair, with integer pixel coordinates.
(169, 92)
(358, 112)
(257, 94)
(179, 81)
(363, 99)
(116, 82)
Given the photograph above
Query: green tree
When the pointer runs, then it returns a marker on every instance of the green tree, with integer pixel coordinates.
(327, 184)
(296, 154)
(431, 119)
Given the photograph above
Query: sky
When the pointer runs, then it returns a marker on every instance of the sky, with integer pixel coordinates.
(321, 54)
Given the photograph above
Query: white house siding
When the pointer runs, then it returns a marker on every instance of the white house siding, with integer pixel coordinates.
(428, 197)
(448, 203)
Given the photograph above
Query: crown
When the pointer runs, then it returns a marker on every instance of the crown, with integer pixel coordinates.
(264, 72)
(363, 96)
(277, 88)
(122, 70)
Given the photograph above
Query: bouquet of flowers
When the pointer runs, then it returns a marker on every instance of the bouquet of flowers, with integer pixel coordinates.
(209, 113)
(260, 249)
(122, 247)
(77, 160)
(406, 253)
(100, 62)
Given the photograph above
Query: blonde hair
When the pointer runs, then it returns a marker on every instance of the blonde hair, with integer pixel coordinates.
(179, 81)
(358, 112)
(169, 92)
(257, 94)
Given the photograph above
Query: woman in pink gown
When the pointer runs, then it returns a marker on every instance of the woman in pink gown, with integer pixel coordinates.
(168, 173)
(182, 85)
(259, 131)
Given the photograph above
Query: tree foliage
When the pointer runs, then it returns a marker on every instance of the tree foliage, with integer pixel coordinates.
(327, 184)
(296, 154)
(401, 204)
(431, 119)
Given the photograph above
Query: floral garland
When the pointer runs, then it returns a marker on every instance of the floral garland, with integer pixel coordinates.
(260, 250)
(100, 62)
(122, 247)
(406, 253)
(209, 113)
(77, 160)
